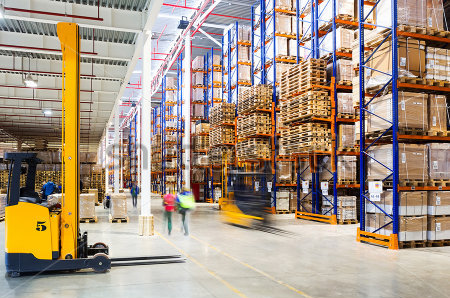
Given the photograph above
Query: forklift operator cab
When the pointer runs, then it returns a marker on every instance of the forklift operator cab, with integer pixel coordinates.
(33, 228)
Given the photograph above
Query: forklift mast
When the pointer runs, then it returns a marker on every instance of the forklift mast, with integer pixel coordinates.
(70, 47)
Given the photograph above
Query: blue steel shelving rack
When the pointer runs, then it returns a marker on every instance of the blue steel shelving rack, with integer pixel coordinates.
(316, 37)
(264, 60)
(390, 241)
(163, 112)
(132, 151)
(180, 122)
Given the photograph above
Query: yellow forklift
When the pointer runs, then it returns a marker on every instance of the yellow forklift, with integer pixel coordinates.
(39, 237)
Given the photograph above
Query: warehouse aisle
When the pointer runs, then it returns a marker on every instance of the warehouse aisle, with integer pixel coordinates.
(226, 261)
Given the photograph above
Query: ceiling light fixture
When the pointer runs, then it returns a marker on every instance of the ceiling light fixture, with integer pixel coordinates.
(30, 82)
(183, 23)
(2, 11)
(47, 113)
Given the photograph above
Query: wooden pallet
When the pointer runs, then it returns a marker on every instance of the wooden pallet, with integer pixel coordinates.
(118, 220)
(348, 149)
(347, 182)
(284, 211)
(345, 83)
(412, 29)
(407, 183)
(438, 243)
(412, 244)
(88, 220)
(347, 222)
(443, 183)
(347, 116)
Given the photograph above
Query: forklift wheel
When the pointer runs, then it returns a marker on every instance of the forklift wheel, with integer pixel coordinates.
(100, 263)
(99, 245)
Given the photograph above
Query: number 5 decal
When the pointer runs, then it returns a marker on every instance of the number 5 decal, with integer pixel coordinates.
(40, 226)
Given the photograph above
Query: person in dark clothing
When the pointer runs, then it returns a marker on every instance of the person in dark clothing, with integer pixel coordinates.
(134, 194)
(47, 189)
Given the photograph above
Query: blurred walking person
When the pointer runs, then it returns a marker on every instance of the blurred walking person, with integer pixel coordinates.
(134, 194)
(185, 203)
(169, 208)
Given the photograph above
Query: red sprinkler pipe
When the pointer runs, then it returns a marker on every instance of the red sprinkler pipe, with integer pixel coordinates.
(48, 13)
(40, 49)
(40, 72)
(38, 88)
(213, 14)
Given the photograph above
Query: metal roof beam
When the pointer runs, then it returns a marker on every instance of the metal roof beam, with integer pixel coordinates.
(83, 15)
(210, 37)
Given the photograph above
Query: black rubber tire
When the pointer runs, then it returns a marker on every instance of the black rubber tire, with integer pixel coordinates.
(100, 263)
(100, 245)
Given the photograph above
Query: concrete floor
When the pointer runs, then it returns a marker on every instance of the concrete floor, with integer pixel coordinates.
(226, 261)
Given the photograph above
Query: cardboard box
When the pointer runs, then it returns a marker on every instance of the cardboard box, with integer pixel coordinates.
(439, 161)
(437, 112)
(346, 168)
(198, 63)
(411, 59)
(118, 205)
(244, 72)
(346, 213)
(283, 200)
(437, 64)
(435, 15)
(344, 70)
(413, 162)
(281, 46)
(410, 12)
(346, 136)
(411, 203)
(439, 203)
(243, 53)
(346, 201)
(412, 112)
(217, 60)
(284, 172)
(438, 228)
(345, 103)
(87, 205)
(283, 24)
(95, 193)
(411, 228)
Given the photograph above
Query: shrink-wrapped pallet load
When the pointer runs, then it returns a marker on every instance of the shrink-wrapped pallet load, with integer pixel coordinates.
(412, 163)
(412, 112)
(87, 206)
(437, 113)
(118, 206)
(439, 161)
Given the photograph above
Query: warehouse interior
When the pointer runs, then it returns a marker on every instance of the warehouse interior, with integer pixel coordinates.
(223, 148)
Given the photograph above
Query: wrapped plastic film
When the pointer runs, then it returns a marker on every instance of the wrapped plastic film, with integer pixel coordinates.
(118, 205)
(346, 168)
(412, 112)
(87, 205)
(437, 112)
(439, 161)
(413, 162)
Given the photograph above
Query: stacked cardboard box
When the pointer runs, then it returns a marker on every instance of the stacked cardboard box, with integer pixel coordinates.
(118, 206)
(412, 112)
(198, 63)
(285, 172)
(413, 162)
(283, 201)
(346, 169)
(346, 136)
(437, 64)
(437, 113)
(439, 161)
(2, 205)
(87, 205)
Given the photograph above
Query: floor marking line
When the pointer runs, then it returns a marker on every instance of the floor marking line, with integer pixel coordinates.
(253, 268)
(198, 263)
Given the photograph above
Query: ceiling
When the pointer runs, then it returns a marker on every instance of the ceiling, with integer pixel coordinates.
(109, 30)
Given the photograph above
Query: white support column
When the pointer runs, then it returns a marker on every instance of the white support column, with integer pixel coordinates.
(146, 218)
(116, 152)
(187, 113)
(122, 161)
(138, 145)
(106, 160)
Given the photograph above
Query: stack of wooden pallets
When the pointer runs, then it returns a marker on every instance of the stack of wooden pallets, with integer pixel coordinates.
(222, 113)
(307, 137)
(302, 77)
(216, 154)
(253, 125)
(254, 98)
(254, 148)
(306, 106)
